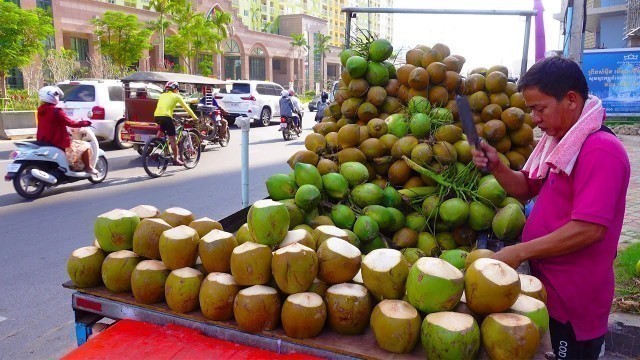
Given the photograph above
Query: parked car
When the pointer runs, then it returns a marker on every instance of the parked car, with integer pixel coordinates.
(258, 100)
(313, 104)
(102, 102)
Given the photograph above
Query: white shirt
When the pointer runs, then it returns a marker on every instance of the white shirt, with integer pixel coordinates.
(296, 103)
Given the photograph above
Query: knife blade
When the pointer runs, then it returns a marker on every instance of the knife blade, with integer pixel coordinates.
(466, 118)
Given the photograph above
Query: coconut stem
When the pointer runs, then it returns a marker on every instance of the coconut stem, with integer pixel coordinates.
(383, 160)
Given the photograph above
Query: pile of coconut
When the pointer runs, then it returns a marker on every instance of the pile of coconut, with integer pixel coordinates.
(266, 275)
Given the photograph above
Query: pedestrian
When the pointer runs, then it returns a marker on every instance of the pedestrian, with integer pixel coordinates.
(579, 172)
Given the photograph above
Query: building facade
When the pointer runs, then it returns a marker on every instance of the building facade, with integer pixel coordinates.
(610, 23)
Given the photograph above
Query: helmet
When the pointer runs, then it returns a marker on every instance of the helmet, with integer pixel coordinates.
(171, 85)
(292, 93)
(324, 95)
(50, 94)
(284, 93)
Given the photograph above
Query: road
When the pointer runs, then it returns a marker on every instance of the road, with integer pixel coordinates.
(36, 319)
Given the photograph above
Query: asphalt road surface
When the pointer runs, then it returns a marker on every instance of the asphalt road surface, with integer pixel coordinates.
(36, 237)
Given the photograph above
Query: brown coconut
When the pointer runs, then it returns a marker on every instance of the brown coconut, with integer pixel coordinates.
(243, 234)
(146, 211)
(182, 289)
(117, 268)
(348, 308)
(148, 281)
(215, 250)
(84, 266)
(491, 286)
(294, 268)
(532, 286)
(303, 315)
(299, 236)
(251, 264)
(396, 326)
(217, 293)
(324, 232)
(176, 216)
(319, 287)
(179, 247)
(508, 336)
(204, 225)
(384, 273)
(257, 308)
(146, 238)
(339, 261)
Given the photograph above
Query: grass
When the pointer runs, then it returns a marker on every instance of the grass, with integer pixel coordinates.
(627, 296)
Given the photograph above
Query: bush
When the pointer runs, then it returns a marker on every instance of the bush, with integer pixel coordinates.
(310, 93)
(627, 297)
(21, 100)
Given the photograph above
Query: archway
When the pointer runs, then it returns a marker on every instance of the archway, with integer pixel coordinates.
(257, 63)
(232, 62)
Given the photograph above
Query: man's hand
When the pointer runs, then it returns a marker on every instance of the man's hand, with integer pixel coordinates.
(510, 255)
(487, 158)
(85, 123)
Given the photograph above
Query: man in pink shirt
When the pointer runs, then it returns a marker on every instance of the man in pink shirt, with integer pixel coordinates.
(571, 236)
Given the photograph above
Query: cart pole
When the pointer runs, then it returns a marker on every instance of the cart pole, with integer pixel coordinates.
(525, 48)
(245, 125)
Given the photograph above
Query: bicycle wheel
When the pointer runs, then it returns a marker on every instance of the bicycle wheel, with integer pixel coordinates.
(189, 149)
(155, 157)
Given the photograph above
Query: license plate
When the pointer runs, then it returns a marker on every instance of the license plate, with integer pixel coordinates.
(233, 105)
(13, 168)
(283, 125)
(144, 138)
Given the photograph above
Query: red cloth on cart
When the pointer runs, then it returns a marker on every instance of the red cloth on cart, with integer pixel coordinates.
(130, 339)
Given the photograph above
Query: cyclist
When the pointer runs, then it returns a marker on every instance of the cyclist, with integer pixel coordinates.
(163, 115)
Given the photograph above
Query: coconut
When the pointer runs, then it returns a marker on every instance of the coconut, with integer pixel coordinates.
(428, 244)
(84, 266)
(450, 335)
(335, 185)
(148, 281)
(146, 238)
(182, 289)
(179, 247)
(282, 186)
(480, 216)
(204, 225)
(307, 197)
(455, 257)
(475, 255)
(454, 212)
(294, 267)
(303, 315)
(405, 238)
(306, 156)
(508, 222)
(145, 211)
(396, 326)
(367, 194)
(491, 286)
(339, 261)
(326, 166)
(176, 216)
(343, 216)
(114, 229)
(117, 268)
(355, 172)
(446, 240)
(257, 308)
(348, 308)
(215, 250)
(384, 273)
(509, 336)
(251, 264)
(300, 236)
(268, 220)
(296, 217)
(534, 309)
(530, 285)
(324, 232)
(217, 292)
(491, 193)
(243, 235)
(434, 285)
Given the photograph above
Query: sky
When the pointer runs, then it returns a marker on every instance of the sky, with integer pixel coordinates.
(483, 40)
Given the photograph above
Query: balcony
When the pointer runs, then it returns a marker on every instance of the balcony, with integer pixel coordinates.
(599, 9)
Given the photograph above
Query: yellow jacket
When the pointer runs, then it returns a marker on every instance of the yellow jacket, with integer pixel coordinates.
(168, 101)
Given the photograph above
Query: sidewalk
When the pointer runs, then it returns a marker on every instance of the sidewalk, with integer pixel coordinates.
(631, 224)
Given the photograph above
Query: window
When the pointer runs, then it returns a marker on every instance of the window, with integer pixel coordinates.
(81, 48)
(43, 4)
(277, 65)
(17, 2)
(277, 89)
(115, 93)
(80, 93)
(231, 46)
(256, 68)
(241, 88)
(14, 79)
(263, 90)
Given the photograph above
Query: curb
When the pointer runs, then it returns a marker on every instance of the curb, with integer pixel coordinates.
(624, 335)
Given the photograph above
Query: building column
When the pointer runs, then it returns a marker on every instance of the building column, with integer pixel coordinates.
(291, 70)
(144, 61)
(245, 66)
(302, 75)
(268, 64)
(217, 66)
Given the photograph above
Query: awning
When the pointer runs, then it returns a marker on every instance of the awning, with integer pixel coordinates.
(162, 77)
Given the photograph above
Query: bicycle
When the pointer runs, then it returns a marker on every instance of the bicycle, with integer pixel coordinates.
(157, 152)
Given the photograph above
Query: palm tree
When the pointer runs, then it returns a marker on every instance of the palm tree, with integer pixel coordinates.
(321, 47)
(162, 7)
(221, 21)
(299, 42)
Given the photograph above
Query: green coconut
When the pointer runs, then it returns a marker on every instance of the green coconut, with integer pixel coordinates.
(257, 308)
(117, 268)
(366, 228)
(446, 241)
(268, 221)
(534, 309)
(294, 268)
(380, 50)
(145, 211)
(398, 125)
(434, 285)
(343, 216)
(339, 261)
(428, 244)
(251, 264)
(114, 230)
(508, 222)
(455, 257)
(356, 66)
(148, 281)
(430, 206)
(380, 215)
(215, 250)
(454, 212)
(377, 74)
(296, 215)
(532, 286)
(480, 216)
(308, 197)
(281, 186)
(491, 193)
(348, 308)
(345, 55)
(204, 225)
(491, 286)
(367, 194)
(177, 216)
(384, 273)
(84, 266)
(450, 335)
(179, 247)
(217, 292)
(419, 104)
(396, 326)
(398, 219)
(303, 315)
(307, 174)
(416, 221)
(392, 197)
(243, 235)
(355, 173)
(335, 185)
(475, 255)
(412, 255)
(420, 125)
(508, 336)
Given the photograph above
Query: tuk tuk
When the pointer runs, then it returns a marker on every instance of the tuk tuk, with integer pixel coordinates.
(140, 103)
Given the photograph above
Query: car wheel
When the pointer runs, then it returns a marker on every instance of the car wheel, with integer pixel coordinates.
(265, 117)
(117, 137)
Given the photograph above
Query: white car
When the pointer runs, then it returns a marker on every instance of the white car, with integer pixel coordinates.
(101, 102)
(258, 100)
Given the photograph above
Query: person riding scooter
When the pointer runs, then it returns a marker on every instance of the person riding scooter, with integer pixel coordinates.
(287, 108)
(220, 121)
(297, 107)
(52, 129)
(322, 104)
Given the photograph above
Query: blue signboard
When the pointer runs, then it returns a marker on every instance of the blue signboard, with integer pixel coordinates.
(613, 75)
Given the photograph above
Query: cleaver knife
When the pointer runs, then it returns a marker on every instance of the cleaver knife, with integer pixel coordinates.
(468, 126)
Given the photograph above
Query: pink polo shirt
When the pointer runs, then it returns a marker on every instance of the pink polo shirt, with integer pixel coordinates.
(580, 285)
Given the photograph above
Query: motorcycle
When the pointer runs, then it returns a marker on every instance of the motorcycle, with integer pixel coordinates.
(288, 128)
(209, 125)
(37, 166)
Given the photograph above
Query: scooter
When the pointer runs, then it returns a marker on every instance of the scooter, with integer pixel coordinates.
(37, 166)
(287, 128)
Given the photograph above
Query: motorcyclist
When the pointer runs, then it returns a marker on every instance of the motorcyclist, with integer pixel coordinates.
(287, 108)
(322, 104)
(297, 106)
(163, 115)
(220, 121)
(52, 129)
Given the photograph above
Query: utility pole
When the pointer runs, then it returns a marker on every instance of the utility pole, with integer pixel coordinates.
(574, 27)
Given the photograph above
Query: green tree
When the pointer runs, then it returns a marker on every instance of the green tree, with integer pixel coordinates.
(22, 35)
(321, 48)
(299, 43)
(122, 38)
(195, 37)
(162, 7)
(221, 22)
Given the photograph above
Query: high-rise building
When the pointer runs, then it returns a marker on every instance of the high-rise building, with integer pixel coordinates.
(609, 23)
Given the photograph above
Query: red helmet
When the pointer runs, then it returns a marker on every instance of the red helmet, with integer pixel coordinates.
(171, 85)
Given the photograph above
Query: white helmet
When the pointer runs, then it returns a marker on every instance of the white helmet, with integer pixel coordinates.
(284, 93)
(50, 94)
